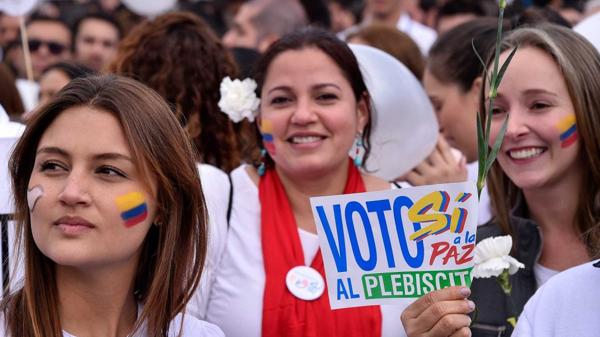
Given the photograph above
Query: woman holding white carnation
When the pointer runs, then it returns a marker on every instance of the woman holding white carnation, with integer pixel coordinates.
(314, 107)
(545, 183)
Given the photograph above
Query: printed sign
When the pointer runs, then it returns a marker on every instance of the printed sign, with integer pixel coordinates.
(394, 246)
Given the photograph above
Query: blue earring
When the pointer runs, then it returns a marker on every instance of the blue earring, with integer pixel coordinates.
(358, 156)
(262, 167)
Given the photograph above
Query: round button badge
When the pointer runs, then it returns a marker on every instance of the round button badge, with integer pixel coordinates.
(305, 283)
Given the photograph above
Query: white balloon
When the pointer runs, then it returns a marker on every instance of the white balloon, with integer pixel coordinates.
(149, 7)
(404, 127)
(590, 29)
(17, 7)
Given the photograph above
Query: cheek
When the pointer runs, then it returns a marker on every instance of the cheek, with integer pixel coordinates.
(567, 131)
(132, 208)
(266, 127)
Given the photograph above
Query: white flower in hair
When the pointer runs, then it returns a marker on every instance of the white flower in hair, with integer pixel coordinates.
(238, 99)
(492, 257)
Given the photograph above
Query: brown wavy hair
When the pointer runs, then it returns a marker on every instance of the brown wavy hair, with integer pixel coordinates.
(179, 56)
(172, 254)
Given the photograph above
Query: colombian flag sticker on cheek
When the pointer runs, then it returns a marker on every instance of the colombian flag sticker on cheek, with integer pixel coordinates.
(133, 208)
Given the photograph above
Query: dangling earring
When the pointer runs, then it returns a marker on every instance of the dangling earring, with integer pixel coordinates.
(262, 167)
(358, 155)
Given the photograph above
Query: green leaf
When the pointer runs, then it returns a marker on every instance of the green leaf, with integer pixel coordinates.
(505, 66)
(482, 151)
(480, 59)
(496, 147)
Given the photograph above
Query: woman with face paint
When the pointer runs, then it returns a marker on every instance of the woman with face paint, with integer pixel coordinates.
(110, 216)
(545, 184)
(314, 107)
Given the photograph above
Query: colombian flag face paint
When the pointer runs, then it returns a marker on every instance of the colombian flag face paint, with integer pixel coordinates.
(133, 208)
(568, 131)
(267, 136)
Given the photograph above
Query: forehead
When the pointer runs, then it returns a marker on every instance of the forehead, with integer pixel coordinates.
(48, 29)
(533, 67)
(246, 13)
(94, 26)
(309, 64)
(72, 128)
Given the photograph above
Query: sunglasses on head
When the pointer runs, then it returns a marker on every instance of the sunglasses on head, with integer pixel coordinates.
(54, 47)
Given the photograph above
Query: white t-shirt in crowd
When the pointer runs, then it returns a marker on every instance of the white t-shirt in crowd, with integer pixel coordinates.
(485, 206)
(542, 274)
(236, 296)
(567, 305)
(423, 36)
(192, 327)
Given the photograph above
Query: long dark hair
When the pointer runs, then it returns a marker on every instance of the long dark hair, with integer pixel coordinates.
(172, 254)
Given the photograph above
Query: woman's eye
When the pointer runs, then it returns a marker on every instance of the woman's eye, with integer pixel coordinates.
(110, 171)
(327, 97)
(539, 105)
(497, 110)
(52, 166)
(279, 100)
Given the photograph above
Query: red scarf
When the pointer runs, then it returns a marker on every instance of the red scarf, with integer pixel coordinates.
(283, 313)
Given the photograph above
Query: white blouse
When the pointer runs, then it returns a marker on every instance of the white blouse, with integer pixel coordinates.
(236, 294)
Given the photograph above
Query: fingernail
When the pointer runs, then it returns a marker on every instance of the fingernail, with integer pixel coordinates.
(465, 291)
(471, 305)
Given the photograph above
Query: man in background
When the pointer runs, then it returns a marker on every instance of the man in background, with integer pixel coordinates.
(95, 40)
(259, 23)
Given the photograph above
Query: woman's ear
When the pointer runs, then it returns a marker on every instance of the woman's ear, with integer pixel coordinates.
(362, 111)
(475, 91)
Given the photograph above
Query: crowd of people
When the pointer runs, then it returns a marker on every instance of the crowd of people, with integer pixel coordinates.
(142, 207)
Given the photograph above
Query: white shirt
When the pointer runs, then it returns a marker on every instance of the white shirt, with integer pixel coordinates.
(9, 129)
(215, 187)
(484, 209)
(423, 36)
(542, 274)
(192, 327)
(567, 305)
(236, 297)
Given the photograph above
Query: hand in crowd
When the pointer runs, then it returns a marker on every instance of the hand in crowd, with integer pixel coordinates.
(439, 314)
(442, 166)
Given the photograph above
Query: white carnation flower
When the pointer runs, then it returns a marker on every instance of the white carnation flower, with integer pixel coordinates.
(492, 257)
(238, 99)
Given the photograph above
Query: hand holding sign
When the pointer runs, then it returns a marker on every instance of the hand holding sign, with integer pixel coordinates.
(440, 313)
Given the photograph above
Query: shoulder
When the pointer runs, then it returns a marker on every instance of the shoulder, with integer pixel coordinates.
(575, 289)
(193, 327)
(373, 183)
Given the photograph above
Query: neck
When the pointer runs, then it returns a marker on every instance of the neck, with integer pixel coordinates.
(554, 209)
(96, 303)
(386, 18)
(300, 188)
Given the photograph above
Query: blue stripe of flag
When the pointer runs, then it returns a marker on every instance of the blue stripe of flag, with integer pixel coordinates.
(568, 133)
(137, 210)
(267, 137)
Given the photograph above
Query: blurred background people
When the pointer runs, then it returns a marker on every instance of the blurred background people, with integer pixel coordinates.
(259, 23)
(454, 12)
(394, 13)
(393, 42)
(179, 56)
(95, 40)
(49, 42)
(56, 76)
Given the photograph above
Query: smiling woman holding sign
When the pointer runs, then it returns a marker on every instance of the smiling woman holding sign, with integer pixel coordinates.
(314, 107)
(545, 184)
